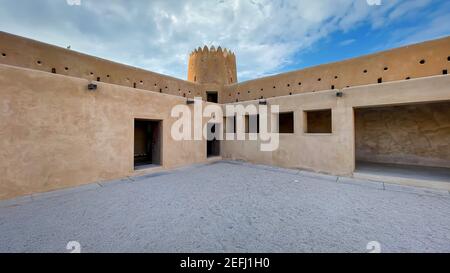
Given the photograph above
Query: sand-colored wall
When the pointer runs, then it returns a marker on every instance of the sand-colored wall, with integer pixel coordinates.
(27, 53)
(213, 66)
(413, 134)
(401, 63)
(214, 70)
(54, 133)
(335, 153)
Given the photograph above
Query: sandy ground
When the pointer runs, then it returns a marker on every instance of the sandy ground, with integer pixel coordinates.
(229, 207)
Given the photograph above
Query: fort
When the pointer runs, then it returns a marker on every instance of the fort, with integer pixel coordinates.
(68, 119)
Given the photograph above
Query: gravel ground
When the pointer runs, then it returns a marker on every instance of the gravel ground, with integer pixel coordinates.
(229, 207)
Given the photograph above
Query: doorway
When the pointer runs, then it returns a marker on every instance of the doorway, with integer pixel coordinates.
(212, 146)
(212, 96)
(147, 143)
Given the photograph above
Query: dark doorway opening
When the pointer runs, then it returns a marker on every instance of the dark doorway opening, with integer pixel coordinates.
(212, 96)
(212, 146)
(147, 143)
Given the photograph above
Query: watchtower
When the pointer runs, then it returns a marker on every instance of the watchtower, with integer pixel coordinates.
(212, 66)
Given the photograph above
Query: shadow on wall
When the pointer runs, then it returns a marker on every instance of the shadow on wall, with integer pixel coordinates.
(416, 134)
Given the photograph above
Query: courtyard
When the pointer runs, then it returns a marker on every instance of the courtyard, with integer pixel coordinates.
(229, 206)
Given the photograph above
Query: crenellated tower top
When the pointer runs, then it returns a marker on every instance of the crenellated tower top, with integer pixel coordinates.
(213, 66)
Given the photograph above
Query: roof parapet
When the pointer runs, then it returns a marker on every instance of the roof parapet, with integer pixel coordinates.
(212, 50)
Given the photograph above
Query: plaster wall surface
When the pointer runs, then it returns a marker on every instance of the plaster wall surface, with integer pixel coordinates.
(416, 134)
(215, 70)
(27, 53)
(392, 65)
(335, 153)
(54, 133)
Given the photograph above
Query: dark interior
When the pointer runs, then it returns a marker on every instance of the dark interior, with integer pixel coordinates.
(286, 123)
(212, 96)
(213, 146)
(318, 122)
(147, 142)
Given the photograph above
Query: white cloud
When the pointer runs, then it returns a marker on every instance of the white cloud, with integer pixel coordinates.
(373, 2)
(159, 35)
(347, 42)
(73, 2)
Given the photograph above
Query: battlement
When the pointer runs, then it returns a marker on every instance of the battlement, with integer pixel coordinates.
(212, 66)
(214, 69)
(213, 51)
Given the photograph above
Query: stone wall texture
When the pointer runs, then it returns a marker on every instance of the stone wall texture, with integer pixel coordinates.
(412, 134)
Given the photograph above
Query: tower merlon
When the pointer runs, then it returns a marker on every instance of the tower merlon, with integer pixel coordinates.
(211, 65)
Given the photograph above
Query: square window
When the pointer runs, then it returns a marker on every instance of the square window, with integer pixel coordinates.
(286, 123)
(318, 122)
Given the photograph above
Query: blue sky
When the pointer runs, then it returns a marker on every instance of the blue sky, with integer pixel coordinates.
(268, 37)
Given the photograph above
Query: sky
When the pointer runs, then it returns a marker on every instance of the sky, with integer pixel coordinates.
(268, 37)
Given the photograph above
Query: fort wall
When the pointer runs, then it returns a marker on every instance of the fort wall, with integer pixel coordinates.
(27, 53)
(415, 61)
(336, 152)
(55, 133)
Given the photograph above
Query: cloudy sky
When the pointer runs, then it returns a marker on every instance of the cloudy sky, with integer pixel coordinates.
(268, 37)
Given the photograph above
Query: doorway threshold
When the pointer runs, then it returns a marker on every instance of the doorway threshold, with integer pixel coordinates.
(146, 166)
